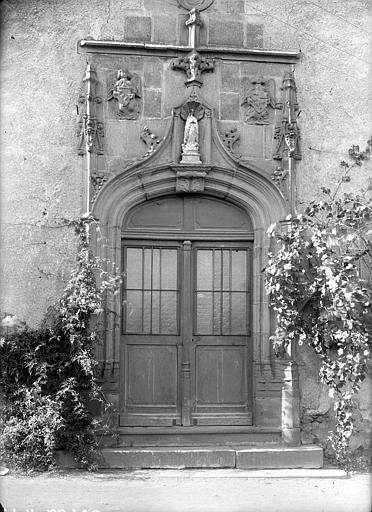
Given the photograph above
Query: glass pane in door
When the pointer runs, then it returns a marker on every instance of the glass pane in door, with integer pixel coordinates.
(151, 295)
(221, 291)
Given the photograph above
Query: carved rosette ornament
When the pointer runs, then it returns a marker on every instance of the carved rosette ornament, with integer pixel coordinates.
(90, 130)
(258, 96)
(126, 90)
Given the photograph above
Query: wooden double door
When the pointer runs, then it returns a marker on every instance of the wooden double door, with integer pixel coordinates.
(185, 343)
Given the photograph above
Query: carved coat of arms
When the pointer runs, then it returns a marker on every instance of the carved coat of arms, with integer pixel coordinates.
(127, 91)
(257, 97)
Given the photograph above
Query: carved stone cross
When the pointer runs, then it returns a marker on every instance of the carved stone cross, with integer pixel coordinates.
(193, 64)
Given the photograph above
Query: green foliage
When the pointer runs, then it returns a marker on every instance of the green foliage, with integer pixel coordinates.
(320, 295)
(47, 375)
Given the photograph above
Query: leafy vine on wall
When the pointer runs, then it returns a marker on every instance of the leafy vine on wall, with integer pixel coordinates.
(48, 374)
(319, 282)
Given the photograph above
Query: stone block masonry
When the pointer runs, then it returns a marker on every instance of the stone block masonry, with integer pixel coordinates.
(137, 29)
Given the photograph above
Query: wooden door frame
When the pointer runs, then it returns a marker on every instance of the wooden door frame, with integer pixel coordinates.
(275, 389)
(186, 391)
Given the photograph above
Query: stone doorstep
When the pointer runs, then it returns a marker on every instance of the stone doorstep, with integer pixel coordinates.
(278, 457)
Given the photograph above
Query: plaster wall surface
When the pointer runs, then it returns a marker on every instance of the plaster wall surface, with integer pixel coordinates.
(41, 76)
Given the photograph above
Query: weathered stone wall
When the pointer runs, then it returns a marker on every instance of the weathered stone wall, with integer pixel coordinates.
(41, 75)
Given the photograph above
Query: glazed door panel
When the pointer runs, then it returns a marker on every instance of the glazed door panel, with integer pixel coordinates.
(185, 347)
(151, 348)
(221, 338)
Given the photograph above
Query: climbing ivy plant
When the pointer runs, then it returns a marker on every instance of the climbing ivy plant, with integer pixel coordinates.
(48, 375)
(319, 282)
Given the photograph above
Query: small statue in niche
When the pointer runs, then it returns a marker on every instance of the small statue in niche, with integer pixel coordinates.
(190, 146)
(127, 91)
(257, 98)
(191, 136)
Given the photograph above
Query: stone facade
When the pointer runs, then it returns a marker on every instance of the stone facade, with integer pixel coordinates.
(43, 67)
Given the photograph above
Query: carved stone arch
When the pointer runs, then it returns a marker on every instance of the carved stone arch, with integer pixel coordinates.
(254, 192)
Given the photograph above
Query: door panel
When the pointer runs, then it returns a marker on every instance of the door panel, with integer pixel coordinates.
(221, 384)
(151, 349)
(151, 385)
(186, 343)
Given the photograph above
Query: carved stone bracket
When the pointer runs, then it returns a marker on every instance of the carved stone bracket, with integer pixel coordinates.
(193, 64)
(150, 139)
(90, 131)
(229, 138)
(258, 96)
(287, 133)
(126, 90)
(190, 179)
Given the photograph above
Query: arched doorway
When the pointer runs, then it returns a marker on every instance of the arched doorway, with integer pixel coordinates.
(185, 345)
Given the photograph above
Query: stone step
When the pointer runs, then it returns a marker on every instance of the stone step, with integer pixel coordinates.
(249, 457)
(195, 436)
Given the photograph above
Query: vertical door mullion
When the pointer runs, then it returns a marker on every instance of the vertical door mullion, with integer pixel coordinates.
(186, 332)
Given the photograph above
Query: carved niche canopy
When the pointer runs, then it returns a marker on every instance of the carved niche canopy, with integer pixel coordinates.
(191, 170)
(126, 90)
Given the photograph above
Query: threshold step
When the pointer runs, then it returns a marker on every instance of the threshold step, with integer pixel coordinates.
(169, 457)
(249, 457)
(280, 457)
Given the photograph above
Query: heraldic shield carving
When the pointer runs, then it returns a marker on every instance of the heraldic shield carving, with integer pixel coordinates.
(127, 91)
(258, 96)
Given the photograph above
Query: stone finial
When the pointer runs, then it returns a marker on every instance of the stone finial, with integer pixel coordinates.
(193, 64)
(287, 133)
(90, 130)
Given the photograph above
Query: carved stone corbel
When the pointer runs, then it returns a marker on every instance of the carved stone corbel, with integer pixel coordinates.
(193, 64)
